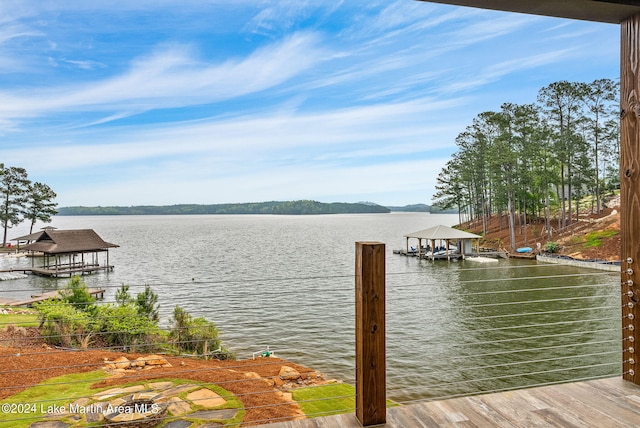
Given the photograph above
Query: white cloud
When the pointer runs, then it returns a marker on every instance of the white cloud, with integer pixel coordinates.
(350, 133)
(310, 100)
(172, 77)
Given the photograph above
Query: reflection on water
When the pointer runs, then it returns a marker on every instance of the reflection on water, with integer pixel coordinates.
(287, 282)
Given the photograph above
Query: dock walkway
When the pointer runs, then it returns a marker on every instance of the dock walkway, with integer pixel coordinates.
(610, 402)
(96, 292)
(62, 270)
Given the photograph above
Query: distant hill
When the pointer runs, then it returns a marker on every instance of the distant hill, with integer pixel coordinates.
(302, 207)
(422, 208)
(417, 208)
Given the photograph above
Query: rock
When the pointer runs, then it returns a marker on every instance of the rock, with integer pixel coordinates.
(122, 363)
(252, 375)
(288, 373)
(206, 398)
(178, 407)
(155, 360)
(93, 417)
(160, 385)
(139, 362)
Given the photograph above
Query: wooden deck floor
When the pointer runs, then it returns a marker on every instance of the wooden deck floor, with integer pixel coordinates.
(599, 403)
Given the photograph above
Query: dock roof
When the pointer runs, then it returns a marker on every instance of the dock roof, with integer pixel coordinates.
(68, 241)
(610, 11)
(441, 232)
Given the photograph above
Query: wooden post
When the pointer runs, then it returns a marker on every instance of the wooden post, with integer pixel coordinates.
(371, 388)
(630, 194)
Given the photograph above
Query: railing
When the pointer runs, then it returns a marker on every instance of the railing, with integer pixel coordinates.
(497, 329)
(450, 329)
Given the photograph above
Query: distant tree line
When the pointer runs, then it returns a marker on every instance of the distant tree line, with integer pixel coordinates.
(302, 207)
(422, 208)
(536, 160)
(23, 200)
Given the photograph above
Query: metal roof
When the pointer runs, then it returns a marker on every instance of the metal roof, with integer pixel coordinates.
(69, 241)
(441, 232)
(610, 11)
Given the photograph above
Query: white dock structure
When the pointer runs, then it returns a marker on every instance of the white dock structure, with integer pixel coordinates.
(438, 245)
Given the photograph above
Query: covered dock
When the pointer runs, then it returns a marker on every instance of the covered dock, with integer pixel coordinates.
(68, 252)
(440, 242)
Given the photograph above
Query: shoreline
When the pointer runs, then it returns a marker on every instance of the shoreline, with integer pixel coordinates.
(565, 260)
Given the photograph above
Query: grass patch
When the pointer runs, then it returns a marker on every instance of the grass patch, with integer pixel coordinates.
(594, 239)
(31, 405)
(19, 320)
(326, 400)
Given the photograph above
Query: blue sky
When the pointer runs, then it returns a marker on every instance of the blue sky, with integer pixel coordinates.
(156, 102)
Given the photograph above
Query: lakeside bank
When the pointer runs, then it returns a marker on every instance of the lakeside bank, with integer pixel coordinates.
(588, 264)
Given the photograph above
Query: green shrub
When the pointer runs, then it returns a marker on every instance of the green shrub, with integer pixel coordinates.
(122, 295)
(147, 304)
(122, 325)
(552, 247)
(75, 319)
(77, 294)
(196, 335)
(62, 324)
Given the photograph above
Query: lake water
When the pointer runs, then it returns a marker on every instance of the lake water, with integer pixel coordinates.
(287, 282)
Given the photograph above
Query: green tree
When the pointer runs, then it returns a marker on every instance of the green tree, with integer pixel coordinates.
(39, 204)
(563, 103)
(13, 188)
(77, 293)
(196, 335)
(147, 304)
(601, 127)
(124, 326)
(122, 295)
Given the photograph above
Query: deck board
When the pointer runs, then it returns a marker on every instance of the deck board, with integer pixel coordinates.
(596, 403)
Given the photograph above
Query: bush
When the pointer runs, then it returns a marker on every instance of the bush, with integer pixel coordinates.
(122, 325)
(73, 320)
(552, 247)
(196, 335)
(62, 324)
(77, 294)
(122, 295)
(147, 304)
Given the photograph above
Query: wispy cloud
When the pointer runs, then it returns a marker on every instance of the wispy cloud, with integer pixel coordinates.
(495, 72)
(172, 76)
(168, 101)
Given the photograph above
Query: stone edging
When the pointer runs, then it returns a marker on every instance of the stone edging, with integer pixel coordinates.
(579, 263)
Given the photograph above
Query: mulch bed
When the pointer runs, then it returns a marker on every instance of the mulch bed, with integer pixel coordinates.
(26, 363)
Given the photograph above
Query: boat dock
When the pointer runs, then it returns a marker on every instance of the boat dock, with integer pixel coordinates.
(98, 293)
(61, 270)
(491, 255)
